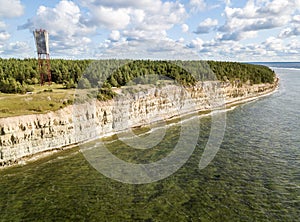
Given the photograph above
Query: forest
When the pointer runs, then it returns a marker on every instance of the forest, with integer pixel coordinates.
(20, 75)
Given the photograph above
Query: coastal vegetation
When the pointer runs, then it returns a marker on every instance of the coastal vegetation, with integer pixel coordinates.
(17, 75)
(20, 78)
(43, 99)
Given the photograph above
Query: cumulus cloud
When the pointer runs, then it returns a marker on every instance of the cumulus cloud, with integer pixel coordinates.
(180, 40)
(294, 46)
(288, 32)
(169, 14)
(8, 9)
(146, 25)
(114, 35)
(63, 22)
(110, 18)
(142, 26)
(196, 44)
(63, 19)
(165, 48)
(233, 36)
(137, 16)
(275, 7)
(4, 35)
(296, 19)
(142, 29)
(258, 15)
(293, 29)
(274, 44)
(150, 5)
(19, 49)
(272, 49)
(206, 26)
(227, 2)
(184, 28)
(11, 8)
(197, 5)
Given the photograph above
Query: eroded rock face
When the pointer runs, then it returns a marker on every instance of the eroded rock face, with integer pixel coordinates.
(28, 135)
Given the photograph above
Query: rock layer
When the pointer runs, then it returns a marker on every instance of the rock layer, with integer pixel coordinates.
(28, 135)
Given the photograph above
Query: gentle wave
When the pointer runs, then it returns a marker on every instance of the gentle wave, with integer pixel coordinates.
(169, 125)
(293, 69)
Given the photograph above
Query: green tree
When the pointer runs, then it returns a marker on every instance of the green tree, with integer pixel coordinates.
(84, 83)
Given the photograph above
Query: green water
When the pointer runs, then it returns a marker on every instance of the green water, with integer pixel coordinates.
(255, 176)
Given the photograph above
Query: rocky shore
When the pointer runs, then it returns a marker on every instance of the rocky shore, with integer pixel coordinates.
(32, 135)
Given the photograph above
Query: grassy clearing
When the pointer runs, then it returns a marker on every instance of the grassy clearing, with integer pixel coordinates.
(42, 100)
(45, 99)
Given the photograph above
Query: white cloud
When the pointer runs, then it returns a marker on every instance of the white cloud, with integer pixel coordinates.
(8, 9)
(227, 2)
(294, 45)
(288, 32)
(63, 19)
(241, 13)
(296, 19)
(272, 49)
(2, 25)
(196, 44)
(110, 18)
(114, 35)
(140, 22)
(63, 22)
(184, 28)
(231, 36)
(11, 8)
(137, 16)
(274, 44)
(181, 40)
(169, 14)
(257, 15)
(4, 36)
(149, 5)
(293, 29)
(74, 47)
(16, 49)
(197, 5)
(275, 7)
(142, 28)
(165, 48)
(206, 26)
(149, 25)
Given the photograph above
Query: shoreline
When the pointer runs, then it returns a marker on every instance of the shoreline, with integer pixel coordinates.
(228, 106)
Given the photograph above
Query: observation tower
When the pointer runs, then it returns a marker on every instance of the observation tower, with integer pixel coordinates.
(42, 45)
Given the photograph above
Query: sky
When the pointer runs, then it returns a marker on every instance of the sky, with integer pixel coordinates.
(227, 30)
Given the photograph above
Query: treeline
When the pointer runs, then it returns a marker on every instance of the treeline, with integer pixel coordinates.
(18, 75)
(229, 71)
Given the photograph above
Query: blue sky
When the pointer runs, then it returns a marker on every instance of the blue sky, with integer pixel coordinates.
(231, 30)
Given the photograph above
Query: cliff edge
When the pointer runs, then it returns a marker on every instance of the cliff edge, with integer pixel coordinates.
(28, 135)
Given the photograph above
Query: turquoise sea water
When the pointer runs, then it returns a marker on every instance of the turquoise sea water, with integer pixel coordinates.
(255, 176)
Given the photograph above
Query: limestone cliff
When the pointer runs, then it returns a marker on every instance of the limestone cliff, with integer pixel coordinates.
(28, 135)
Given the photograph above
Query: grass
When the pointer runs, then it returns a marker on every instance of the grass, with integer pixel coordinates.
(53, 97)
(42, 100)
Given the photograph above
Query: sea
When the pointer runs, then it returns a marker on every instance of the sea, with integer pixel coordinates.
(254, 175)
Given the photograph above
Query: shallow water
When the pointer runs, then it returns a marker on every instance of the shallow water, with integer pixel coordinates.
(255, 176)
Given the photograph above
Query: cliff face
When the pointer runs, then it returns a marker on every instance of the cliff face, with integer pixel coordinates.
(28, 135)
